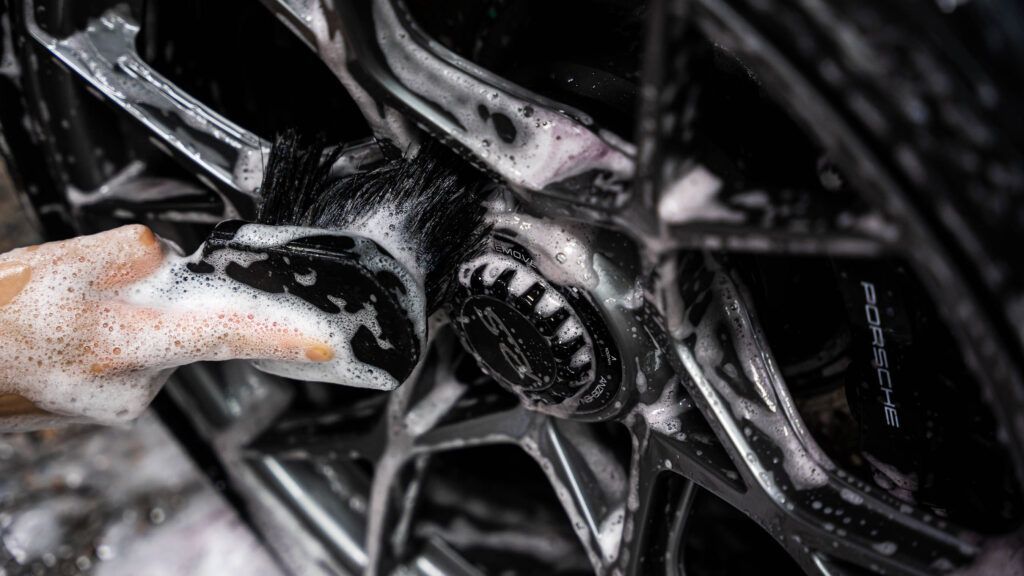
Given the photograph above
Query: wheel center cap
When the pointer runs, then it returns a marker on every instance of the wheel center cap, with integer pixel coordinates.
(508, 343)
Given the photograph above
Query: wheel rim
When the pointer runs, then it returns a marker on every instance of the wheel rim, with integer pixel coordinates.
(797, 497)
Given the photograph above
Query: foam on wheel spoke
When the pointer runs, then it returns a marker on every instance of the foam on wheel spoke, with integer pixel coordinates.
(227, 156)
(802, 498)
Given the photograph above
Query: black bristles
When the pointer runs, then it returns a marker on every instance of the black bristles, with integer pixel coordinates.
(438, 195)
(295, 176)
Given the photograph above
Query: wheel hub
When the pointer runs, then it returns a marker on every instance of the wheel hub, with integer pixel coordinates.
(543, 341)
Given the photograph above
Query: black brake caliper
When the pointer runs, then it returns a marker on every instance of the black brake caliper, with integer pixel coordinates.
(887, 375)
(924, 429)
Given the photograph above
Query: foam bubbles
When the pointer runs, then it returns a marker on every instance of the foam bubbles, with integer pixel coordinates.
(93, 326)
(694, 196)
(572, 328)
(544, 148)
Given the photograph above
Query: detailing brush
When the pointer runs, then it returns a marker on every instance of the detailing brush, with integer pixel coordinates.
(426, 209)
(334, 283)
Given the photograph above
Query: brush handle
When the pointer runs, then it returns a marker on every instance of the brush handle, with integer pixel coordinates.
(91, 328)
(373, 304)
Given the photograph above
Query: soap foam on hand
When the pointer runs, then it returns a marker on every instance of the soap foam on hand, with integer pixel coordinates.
(333, 285)
(90, 328)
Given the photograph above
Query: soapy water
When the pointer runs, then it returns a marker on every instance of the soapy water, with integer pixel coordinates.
(93, 326)
(365, 310)
(726, 334)
(694, 197)
(573, 264)
(323, 24)
(529, 145)
(104, 55)
(494, 264)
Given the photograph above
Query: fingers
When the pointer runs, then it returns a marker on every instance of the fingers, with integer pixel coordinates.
(100, 261)
(18, 405)
(129, 254)
(13, 278)
(131, 339)
(70, 317)
(72, 341)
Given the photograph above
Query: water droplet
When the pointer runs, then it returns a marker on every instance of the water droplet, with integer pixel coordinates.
(886, 548)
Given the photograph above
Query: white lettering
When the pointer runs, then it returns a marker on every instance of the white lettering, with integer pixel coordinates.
(881, 358)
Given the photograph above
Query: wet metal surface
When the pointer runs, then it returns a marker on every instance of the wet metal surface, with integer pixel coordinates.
(14, 226)
(115, 501)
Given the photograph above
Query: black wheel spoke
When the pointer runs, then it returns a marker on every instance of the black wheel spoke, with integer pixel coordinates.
(803, 499)
(323, 499)
(658, 500)
(340, 434)
(501, 427)
(675, 554)
(782, 162)
(589, 482)
(422, 418)
(511, 130)
(700, 206)
(224, 156)
(448, 413)
(992, 358)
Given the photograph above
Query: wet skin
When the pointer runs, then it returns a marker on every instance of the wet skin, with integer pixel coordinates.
(72, 347)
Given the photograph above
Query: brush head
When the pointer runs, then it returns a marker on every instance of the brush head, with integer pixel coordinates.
(424, 208)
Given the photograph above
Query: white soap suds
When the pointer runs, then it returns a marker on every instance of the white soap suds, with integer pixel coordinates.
(325, 27)
(694, 197)
(885, 548)
(428, 411)
(573, 263)
(1002, 555)
(94, 325)
(892, 480)
(176, 286)
(664, 415)
(851, 496)
(764, 405)
(569, 330)
(544, 148)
